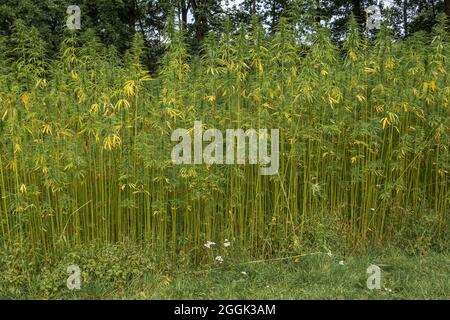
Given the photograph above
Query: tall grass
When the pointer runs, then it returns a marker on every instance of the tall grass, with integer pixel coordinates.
(85, 139)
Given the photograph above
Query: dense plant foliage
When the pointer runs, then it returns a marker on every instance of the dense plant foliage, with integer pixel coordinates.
(85, 140)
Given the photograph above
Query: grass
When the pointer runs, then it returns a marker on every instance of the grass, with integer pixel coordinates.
(316, 276)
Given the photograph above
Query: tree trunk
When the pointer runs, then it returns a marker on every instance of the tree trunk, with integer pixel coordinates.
(200, 10)
(447, 7)
(184, 12)
(433, 9)
(358, 12)
(131, 9)
(274, 13)
(405, 16)
(138, 17)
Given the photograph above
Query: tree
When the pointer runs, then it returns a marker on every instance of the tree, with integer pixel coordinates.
(206, 15)
(116, 21)
(47, 16)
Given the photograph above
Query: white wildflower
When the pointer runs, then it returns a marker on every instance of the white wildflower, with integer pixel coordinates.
(208, 244)
(341, 263)
(227, 243)
(219, 259)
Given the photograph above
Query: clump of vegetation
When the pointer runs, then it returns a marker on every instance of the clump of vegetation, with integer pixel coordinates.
(85, 140)
(132, 272)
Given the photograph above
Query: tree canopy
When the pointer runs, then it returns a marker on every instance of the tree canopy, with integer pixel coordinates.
(116, 21)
